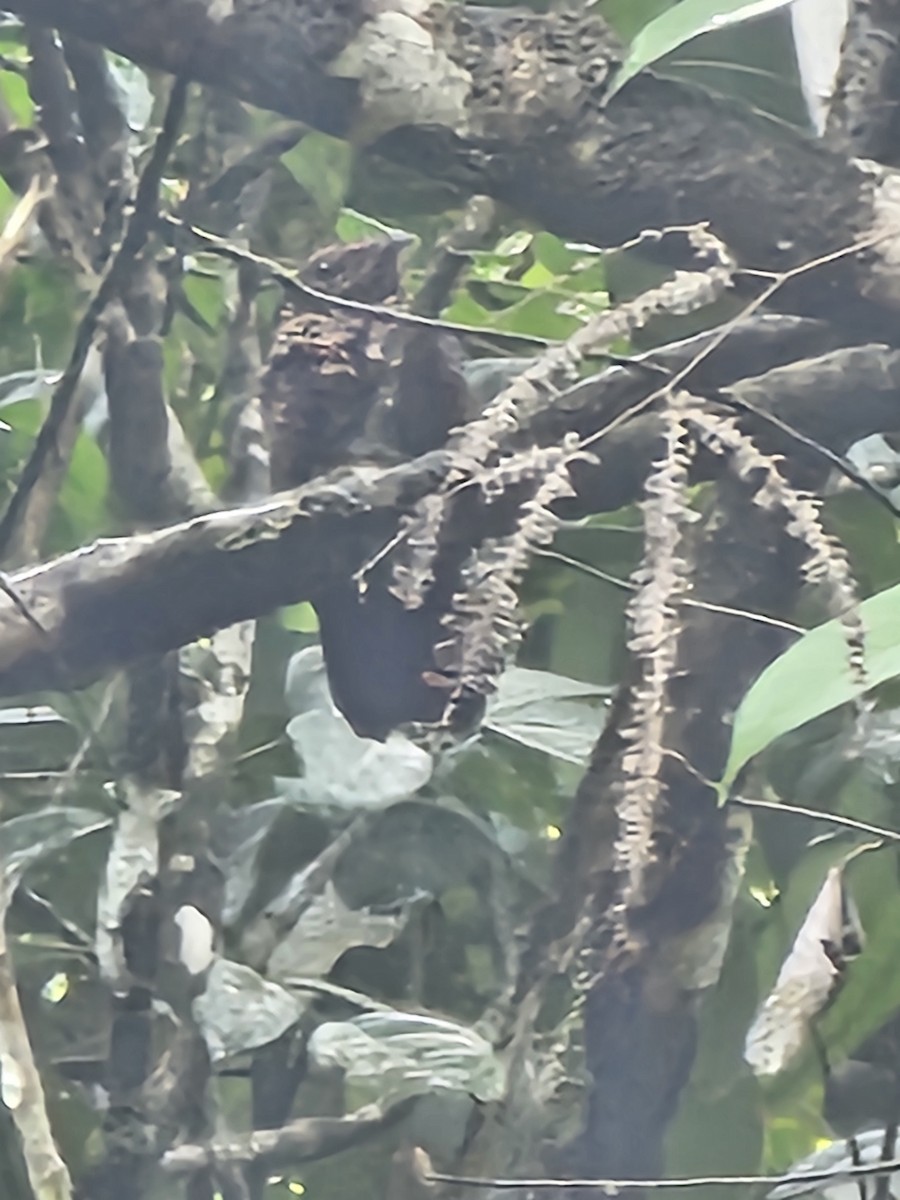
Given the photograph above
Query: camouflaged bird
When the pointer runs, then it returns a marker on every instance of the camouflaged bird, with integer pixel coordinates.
(346, 387)
(325, 372)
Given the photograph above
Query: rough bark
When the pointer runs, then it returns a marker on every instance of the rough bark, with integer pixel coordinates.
(641, 1014)
(69, 621)
(515, 106)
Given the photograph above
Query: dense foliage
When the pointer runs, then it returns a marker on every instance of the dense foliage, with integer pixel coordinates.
(371, 899)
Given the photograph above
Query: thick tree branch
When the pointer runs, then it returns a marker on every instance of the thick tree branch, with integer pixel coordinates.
(67, 622)
(267, 55)
(302, 1140)
(513, 105)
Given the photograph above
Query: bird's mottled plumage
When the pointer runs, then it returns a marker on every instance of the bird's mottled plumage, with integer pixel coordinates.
(327, 376)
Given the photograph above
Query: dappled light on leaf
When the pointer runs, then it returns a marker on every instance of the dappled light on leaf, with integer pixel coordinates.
(239, 1009)
(388, 1056)
(327, 928)
(339, 767)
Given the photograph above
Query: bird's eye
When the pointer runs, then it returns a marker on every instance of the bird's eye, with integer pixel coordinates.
(324, 268)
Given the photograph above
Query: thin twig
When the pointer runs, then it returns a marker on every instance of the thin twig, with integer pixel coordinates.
(626, 585)
(318, 301)
(722, 333)
(836, 460)
(889, 835)
(616, 1185)
(314, 300)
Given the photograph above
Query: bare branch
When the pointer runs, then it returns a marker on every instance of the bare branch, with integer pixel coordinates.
(305, 1139)
(105, 605)
(514, 106)
(80, 615)
(23, 1092)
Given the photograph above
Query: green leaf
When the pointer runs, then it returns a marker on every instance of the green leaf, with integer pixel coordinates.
(489, 267)
(590, 279)
(540, 314)
(871, 991)
(25, 839)
(352, 226)
(538, 276)
(465, 310)
(322, 166)
(394, 1054)
(628, 16)
(680, 24)
(205, 294)
(135, 95)
(240, 1010)
(813, 677)
(548, 712)
(555, 254)
(514, 244)
(300, 617)
(869, 533)
(82, 498)
(14, 90)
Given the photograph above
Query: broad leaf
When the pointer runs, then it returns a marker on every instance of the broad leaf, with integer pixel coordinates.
(352, 772)
(352, 226)
(306, 683)
(339, 767)
(548, 712)
(415, 848)
(240, 1010)
(300, 617)
(680, 24)
(135, 96)
(392, 1055)
(239, 835)
(813, 677)
(322, 165)
(326, 929)
(25, 839)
